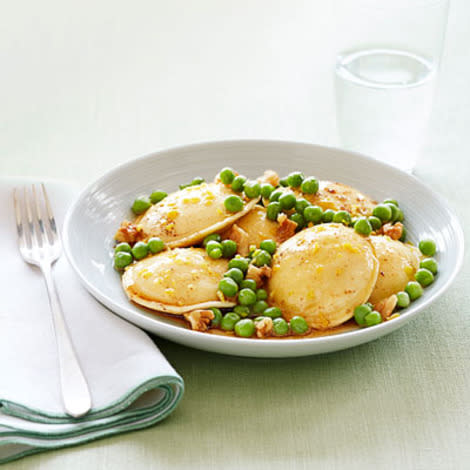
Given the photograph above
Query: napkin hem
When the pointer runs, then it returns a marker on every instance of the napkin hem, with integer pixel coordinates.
(39, 416)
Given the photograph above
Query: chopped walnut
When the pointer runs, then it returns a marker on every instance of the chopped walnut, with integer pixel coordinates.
(199, 319)
(238, 235)
(386, 306)
(394, 231)
(258, 274)
(128, 232)
(286, 228)
(264, 327)
(270, 177)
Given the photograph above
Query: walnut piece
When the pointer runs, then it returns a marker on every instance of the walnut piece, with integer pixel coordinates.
(270, 177)
(128, 232)
(394, 231)
(264, 327)
(286, 228)
(258, 274)
(238, 235)
(199, 319)
(386, 306)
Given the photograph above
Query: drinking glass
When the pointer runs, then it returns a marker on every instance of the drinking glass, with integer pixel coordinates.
(385, 75)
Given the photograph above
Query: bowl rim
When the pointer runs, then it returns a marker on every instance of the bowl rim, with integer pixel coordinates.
(359, 336)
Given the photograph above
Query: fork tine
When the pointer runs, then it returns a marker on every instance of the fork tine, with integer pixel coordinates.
(19, 220)
(39, 217)
(29, 219)
(50, 216)
(32, 226)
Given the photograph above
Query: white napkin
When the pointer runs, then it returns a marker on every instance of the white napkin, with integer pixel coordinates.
(132, 385)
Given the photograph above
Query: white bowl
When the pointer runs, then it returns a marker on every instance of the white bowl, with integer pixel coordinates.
(94, 217)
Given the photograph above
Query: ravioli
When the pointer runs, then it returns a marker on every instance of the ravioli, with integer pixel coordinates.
(185, 217)
(323, 273)
(398, 263)
(338, 196)
(258, 227)
(176, 281)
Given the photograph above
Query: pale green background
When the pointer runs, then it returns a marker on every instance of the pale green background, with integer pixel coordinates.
(89, 85)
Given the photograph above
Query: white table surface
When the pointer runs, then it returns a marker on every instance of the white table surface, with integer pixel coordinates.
(87, 85)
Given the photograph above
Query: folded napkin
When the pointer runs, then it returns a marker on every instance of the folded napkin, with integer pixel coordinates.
(132, 385)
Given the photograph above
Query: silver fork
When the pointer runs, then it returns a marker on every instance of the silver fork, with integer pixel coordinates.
(40, 245)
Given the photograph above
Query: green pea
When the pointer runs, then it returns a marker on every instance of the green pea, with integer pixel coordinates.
(242, 310)
(233, 203)
(228, 287)
(217, 317)
(360, 312)
(140, 250)
(283, 182)
(246, 297)
(229, 248)
(298, 325)
(252, 189)
(428, 263)
(383, 212)
(313, 214)
(212, 237)
(262, 258)
(414, 290)
(216, 253)
(373, 318)
(157, 196)
(298, 219)
(272, 312)
(197, 180)
(122, 247)
(280, 327)
(295, 179)
(363, 226)
(194, 182)
(141, 204)
(427, 247)
(342, 217)
(155, 245)
(122, 259)
(391, 201)
(261, 294)
(309, 185)
(240, 263)
(301, 204)
(272, 210)
(236, 274)
(424, 277)
(238, 183)
(287, 201)
(226, 175)
(403, 300)
(375, 222)
(229, 320)
(260, 306)
(400, 217)
(212, 245)
(275, 195)
(394, 210)
(269, 246)
(245, 328)
(266, 190)
(249, 284)
(328, 216)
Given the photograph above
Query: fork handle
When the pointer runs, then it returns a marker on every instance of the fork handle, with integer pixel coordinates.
(75, 391)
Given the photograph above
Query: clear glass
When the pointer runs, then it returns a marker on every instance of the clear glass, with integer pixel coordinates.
(385, 75)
